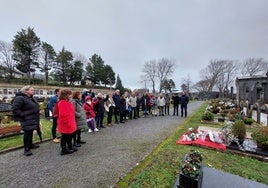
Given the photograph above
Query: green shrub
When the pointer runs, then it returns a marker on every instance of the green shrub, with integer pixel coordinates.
(239, 129)
(208, 116)
(261, 136)
(248, 120)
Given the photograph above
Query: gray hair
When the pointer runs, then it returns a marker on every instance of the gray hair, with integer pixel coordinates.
(25, 88)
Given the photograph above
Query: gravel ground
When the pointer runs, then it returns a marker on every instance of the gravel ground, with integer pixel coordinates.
(106, 157)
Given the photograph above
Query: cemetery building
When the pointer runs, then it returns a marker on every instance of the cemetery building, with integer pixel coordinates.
(252, 89)
(252, 97)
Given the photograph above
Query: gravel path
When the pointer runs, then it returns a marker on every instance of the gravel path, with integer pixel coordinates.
(106, 157)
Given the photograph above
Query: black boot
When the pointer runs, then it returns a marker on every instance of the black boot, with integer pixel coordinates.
(77, 144)
(65, 151)
(81, 141)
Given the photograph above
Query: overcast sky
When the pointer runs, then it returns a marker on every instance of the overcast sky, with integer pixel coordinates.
(128, 33)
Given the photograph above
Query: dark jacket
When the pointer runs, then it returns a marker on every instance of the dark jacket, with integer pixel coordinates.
(99, 106)
(116, 99)
(176, 100)
(26, 110)
(184, 100)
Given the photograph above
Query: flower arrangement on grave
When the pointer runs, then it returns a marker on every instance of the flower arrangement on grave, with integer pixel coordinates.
(191, 165)
(191, 135)
(230, 138)
(191, 170)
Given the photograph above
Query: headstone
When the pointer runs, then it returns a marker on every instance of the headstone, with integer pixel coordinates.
(256, 113)
(264, 114)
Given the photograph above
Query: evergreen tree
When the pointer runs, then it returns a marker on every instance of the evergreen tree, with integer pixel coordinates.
(63, 66)
(48, 55)
(119, 85)
(26, 48)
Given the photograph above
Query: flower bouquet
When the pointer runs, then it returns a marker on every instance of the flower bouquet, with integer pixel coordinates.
(191, 135)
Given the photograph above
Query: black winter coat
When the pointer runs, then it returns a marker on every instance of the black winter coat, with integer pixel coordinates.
(26, 110)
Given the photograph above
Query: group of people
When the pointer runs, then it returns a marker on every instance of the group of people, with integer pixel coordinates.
(73, 111)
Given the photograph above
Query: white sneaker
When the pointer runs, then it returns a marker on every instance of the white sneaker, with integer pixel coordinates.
(96, 130)
(89, 130)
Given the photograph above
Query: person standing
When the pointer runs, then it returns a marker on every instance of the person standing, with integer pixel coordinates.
(116, 98)
(145, 101)
(161, 104)
(80, 117)
(109, 107)
(66, 121)
(167, 99)
(90, 114)
(133, 105)
(176, 102)
(52, 101)
(99, 109)
(184, 99)
(26, 110)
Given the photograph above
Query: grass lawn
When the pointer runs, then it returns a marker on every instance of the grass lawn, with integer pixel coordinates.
(161, 167)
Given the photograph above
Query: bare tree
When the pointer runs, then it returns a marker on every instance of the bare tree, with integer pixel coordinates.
(187, 82)
(230, 74)
(212, 72)
(254, 66)
(165, 68)
(6, 57)
(150, 70)
(202, 86)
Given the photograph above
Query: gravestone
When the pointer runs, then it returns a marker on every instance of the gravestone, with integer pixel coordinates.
(256, 113)
(264, 115)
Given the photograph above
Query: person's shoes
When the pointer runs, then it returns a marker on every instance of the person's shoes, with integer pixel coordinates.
(77, 144)
(96, 130)
(74, 149)
(89, 130)
(34, 146)
(116, 122)
(66, 151)
(27, 153)
(81, 142)
(102, 126)
(56, 140)
(122, 122)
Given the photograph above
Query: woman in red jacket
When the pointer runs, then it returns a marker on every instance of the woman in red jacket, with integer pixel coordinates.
(66, 121)
(90, 114)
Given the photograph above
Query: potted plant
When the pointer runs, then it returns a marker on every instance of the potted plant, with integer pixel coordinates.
(191, 170)
(261, 137)
(239, 130)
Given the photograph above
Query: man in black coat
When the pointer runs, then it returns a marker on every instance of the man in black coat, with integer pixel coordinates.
(26, 110)
(184, 99)
(176, 102)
